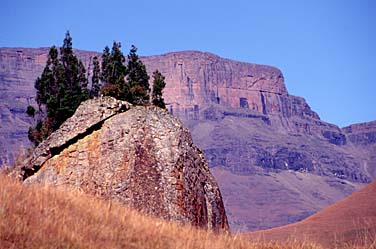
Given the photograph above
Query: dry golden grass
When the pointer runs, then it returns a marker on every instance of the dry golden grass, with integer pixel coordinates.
(349, 223)
(42, 217)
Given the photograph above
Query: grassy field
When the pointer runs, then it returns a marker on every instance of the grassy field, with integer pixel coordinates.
(45, 217)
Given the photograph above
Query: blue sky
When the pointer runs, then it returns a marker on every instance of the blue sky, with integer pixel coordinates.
(326, 49)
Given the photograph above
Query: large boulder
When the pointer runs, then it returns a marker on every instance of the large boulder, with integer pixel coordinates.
(140, 156)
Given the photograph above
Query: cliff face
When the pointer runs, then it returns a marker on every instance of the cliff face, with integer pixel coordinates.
(198, 80)
(139, 156)
(363, 134)
(274, 159)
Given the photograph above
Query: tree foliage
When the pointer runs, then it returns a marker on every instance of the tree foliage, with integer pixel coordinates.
(114, 72)
(30, 111)
(126, 82)
(137, 79)
(63, 85)
(95, 84)
(61, 88)
(158, 86)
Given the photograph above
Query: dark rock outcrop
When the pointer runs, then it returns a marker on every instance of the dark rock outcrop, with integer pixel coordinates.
(140, 156)
(362, 134)
(335, 137)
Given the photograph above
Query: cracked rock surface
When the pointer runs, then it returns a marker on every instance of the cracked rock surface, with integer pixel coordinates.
(140, 156)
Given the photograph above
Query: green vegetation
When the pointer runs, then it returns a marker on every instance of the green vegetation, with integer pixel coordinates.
(60, 90)
(137, 80)
(63, 85)
(30, 111)
(95, 84)
(113, 72)
(158, 86)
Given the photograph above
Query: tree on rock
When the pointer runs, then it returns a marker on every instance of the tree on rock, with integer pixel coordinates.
(95, 84)
(114, 72)
(61, 88)
(137, 80)
(157, 92)
(73, 83)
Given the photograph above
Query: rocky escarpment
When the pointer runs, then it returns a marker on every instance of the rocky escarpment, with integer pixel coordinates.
(363, 134)
(140, 156)
(198, 80)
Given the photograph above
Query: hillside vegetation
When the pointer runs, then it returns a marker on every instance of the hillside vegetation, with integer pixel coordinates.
(35, 216)
(349, 223)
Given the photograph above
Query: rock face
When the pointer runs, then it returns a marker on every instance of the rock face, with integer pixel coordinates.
(199, 80)
(275, 161)
(362, 134)
(140, 156)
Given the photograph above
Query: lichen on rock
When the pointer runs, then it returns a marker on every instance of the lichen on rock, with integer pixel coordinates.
(140, 156)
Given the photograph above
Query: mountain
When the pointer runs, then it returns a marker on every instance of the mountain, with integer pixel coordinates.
(139, 156)
(348, 223)
(275, 161)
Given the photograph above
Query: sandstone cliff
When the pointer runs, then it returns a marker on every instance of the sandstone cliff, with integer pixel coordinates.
(140, 156)
(198, 80)
(276, 162)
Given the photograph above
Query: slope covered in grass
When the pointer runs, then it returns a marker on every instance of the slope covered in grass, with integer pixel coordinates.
(41, 217)
(349, 223)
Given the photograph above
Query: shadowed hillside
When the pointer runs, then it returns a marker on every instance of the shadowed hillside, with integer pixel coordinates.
(42, 217)
(348, 223)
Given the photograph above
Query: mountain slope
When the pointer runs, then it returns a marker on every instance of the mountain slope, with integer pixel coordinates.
(262, 143)
(42, 217)
(351, 221)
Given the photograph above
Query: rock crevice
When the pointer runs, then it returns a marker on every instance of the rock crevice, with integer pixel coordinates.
(142, 157)
(84, 122)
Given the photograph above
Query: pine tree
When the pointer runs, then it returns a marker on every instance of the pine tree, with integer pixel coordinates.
(137, 80)
(135, 89)
(106, 60)
(158, 86)
(113, 72)
(95, 84)
(75, 83)
(60, 90)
